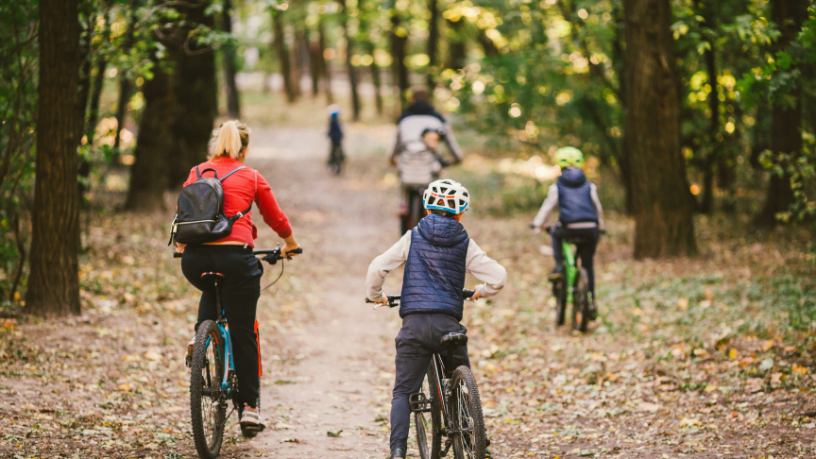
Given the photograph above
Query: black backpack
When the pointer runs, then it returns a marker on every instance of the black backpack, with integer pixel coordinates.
(200, 215)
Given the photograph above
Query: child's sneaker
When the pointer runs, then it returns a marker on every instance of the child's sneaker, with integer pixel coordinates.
(188, 358)
(250, 416)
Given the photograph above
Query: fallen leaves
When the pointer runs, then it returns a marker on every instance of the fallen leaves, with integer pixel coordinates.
(687, 422)
(334, 432)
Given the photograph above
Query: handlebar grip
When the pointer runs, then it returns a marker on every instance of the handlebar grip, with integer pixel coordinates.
(468, 293)
(177, 254)
(297, 251)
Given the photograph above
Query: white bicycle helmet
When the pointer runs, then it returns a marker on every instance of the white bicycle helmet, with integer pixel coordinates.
(333, 109)
(446, 195)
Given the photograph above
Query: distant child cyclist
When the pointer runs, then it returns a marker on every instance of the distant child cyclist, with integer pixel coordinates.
(437, 254)
(336, 155)
(580, 214)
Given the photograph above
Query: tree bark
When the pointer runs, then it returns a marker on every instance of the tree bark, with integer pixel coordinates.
(230, 67)
(399, 43)
(124, 81)
(149, 174)
(314, 67)
(324, 64)
(619, 62)
(352, 72)
(433, 41)
(53, 283)
(786, 122)
(457, 45)
(195, 92)
(282, 51)
(375, 78)
(664, 224)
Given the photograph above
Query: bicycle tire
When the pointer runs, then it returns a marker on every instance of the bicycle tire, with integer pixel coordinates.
(560, 290)
(466, 397)
(433, 420)
(580, 302)
(205, 388)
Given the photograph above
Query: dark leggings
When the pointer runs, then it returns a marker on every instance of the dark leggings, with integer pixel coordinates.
(239, 295)
(586, 250)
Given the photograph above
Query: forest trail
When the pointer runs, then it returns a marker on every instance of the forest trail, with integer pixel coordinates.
(333, 383)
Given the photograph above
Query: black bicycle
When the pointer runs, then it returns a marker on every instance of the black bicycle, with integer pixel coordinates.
(336, 159)
(448, 404)
(213, 382)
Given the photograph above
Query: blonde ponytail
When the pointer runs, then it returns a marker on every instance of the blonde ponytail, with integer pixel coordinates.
(229, 140)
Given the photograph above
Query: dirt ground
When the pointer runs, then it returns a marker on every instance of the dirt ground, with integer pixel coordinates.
(690, 358)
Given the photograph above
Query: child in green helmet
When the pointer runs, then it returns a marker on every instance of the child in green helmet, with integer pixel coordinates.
(580, 214)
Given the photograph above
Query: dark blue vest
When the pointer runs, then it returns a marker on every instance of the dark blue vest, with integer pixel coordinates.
(575, 197)
(435, 270)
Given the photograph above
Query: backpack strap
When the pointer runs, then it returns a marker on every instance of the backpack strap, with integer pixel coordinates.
(240, 214)
(209, 169)
(231, 172)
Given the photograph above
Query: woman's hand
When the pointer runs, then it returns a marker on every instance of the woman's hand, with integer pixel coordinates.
(291, 244)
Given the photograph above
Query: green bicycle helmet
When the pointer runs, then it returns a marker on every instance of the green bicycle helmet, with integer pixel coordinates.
(569, 156)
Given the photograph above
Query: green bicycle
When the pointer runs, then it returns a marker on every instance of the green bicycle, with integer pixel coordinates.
(573, 288)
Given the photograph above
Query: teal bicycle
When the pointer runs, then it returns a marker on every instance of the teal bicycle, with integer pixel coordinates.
(213, 382)
(573, 288)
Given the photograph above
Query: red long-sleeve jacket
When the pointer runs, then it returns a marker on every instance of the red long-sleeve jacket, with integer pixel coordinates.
(240, 190)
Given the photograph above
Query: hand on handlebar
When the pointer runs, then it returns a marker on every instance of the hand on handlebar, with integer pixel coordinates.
(478, 293)
(290, 249)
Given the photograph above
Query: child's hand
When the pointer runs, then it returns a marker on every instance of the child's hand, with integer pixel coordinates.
(478, 293)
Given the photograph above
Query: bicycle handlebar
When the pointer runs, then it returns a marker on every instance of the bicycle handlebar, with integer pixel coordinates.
(393, 300)
(271, 256)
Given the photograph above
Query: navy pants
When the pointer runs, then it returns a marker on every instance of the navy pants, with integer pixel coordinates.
(240, 291)
(586, 249)
(417, 341)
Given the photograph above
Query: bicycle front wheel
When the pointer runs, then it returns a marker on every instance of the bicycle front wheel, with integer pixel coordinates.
(580, 302)
(207, 410)
(469, 438)
(428, 423)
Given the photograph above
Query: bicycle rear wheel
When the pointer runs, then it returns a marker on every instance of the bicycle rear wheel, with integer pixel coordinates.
(206, 407)
(580, 302)
(429, 423)
(560, 292)
(469, 438)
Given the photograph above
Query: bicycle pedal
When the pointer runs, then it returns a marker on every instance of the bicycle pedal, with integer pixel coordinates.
(255, 427)
(419, 402)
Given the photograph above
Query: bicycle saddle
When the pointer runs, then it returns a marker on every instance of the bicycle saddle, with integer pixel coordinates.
(453, 340)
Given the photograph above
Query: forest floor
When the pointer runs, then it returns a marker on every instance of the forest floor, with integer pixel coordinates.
(704, 357)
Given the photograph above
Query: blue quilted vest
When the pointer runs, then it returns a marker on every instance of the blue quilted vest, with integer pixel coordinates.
(435, 270)
(575, 197)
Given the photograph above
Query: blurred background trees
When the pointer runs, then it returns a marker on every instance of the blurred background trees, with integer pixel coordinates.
(683, 106)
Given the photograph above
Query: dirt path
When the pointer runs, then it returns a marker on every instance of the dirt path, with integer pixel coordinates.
(334, 383)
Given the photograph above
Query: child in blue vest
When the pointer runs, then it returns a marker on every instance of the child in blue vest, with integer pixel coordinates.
(580, 214)
(335, 133)
(437, 254)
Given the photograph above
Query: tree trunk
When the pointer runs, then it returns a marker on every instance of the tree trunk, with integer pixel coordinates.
(457, 46)
(195, 97)
(324, 64)
(433, 41)
(282, 51)
(124, 81)
(375, 78)
(297, 60)
(149, 174)
(314, 67)
(53, 283)
(709, 56)
(230, 67)
(786, 122)
(352, 72)
(664, 224)
(399, 43)
(619, 63)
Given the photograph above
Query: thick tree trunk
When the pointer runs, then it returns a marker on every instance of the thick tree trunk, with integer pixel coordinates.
(352, 72)
(786, 122)
(619, 63)
(663, 206)
(149, 174)
(230, 67)
(314, 67)
(457, 45)
(399, 43)
(124, 81)
(53, 282)
(282, 51)
(433, 41)
(324, 64)
(195, 97)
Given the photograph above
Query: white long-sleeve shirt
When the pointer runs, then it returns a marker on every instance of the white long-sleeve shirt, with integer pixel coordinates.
(551, 203)
(478, 263)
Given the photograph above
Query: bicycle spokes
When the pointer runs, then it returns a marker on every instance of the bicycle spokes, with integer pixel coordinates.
(465, 421)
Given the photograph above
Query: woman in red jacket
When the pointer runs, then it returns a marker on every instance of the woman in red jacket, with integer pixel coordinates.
(232, 256)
